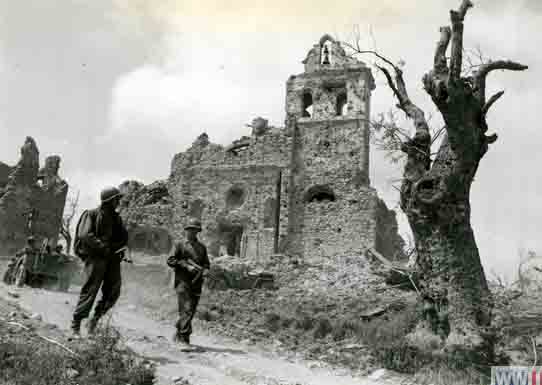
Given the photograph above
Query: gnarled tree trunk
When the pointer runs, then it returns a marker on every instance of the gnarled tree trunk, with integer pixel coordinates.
(435, 195)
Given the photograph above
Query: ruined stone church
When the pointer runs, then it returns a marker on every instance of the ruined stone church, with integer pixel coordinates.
(301, 190)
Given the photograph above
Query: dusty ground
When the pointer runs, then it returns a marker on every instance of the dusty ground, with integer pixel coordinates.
(217, 360)
(314, 313)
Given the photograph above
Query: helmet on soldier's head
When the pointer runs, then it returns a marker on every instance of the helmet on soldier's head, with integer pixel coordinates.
(109, 193)
(193, 224)
(30, 239)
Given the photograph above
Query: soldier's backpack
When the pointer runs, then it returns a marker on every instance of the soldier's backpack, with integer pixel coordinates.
(77, 249)
(85, 242)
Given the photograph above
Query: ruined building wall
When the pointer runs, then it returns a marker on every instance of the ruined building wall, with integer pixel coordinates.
(235, 191)
(230, 202)
(5, 170)
(30, 189)
(303, 190)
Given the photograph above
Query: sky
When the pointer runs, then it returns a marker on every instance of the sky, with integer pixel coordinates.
(117, 87)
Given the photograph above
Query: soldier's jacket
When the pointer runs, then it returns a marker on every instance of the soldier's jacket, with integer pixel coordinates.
(99, 233)
(183, 251)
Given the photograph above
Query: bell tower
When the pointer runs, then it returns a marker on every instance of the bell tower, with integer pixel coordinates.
(330, 105)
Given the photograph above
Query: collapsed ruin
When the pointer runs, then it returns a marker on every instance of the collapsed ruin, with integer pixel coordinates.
(31, 199)
(301, 190)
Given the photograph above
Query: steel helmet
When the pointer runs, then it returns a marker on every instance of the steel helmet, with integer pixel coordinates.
(193, 224)
(109, 193)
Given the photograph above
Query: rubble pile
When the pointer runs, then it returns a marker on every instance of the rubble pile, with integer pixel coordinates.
(310, 311)
(147, 211)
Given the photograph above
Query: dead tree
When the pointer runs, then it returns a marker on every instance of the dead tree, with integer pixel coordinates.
(67, 220)
(435, 194)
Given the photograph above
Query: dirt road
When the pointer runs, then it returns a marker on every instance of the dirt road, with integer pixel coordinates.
(215, 362)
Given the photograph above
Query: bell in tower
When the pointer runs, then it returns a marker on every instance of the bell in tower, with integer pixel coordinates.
(326, 55)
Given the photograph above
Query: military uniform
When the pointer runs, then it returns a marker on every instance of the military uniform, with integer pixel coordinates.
(100, 234)
(188, 283)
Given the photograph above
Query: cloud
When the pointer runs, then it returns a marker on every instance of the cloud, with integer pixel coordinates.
(177, 105)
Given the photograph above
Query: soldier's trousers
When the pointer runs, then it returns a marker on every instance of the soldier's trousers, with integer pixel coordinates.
(188, 299)
(104, 272)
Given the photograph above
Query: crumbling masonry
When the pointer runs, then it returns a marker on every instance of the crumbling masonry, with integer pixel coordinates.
(31, 199)
(303, 189)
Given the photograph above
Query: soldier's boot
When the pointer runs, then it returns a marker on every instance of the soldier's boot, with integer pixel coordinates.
(182, 341)
(92, 324)
(75, 329)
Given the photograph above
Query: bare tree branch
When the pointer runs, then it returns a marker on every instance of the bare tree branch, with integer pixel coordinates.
(490, 102)
(456, 60)
(474, 58)
(463, 8)
(437, 134)
(357, 49)
(440, 65)
(481, 75)
(418, 148)
(393, 87)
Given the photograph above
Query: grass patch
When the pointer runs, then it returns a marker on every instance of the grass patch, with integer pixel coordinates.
(442, 374)
(304, 322)
(25, 359)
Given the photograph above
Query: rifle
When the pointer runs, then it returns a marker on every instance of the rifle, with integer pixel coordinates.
(199, 270)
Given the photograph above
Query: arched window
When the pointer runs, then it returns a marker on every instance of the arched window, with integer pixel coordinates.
(196, 209)
(235, 197)
(307, 104)
(325, 54)
(319, 193)
(150, 240)
(342, 105)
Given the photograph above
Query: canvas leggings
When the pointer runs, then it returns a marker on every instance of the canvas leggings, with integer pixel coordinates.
(104, 272)
(188, 299)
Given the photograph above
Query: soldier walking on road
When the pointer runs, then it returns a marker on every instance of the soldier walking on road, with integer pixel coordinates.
(191, 265)
(99, 236)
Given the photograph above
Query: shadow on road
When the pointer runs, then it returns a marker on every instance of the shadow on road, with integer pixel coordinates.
(207, 349)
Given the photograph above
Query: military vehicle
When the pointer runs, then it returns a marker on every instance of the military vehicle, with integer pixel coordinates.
(42, 268)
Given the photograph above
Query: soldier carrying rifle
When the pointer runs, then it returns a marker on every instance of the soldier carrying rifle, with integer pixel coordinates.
(191, 265)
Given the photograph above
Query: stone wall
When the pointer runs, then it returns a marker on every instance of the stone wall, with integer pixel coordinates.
(235, 191)
(340, 228)
(30, 189)
(269, 148)
(231, 203)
